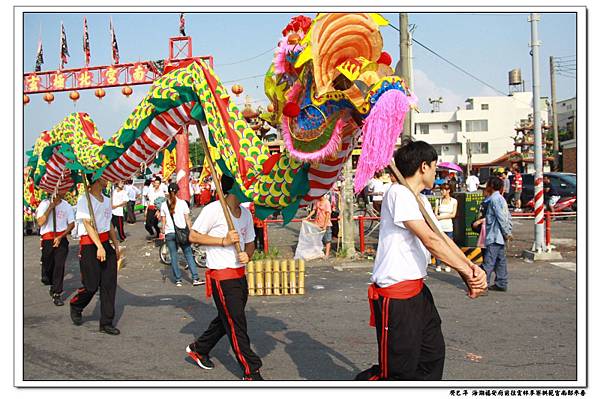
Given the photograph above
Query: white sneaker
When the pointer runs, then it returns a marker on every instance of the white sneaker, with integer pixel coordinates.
(198, 282)
(438, 268)
(178, 284)
(448, 270)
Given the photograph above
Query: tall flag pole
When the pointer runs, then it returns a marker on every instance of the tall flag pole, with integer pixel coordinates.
(40, 57)
(115, 47)
(182, 24)
(64, 48)
(86, 42)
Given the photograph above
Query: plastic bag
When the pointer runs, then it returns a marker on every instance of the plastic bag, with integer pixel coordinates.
(310, 242)
(481, 239)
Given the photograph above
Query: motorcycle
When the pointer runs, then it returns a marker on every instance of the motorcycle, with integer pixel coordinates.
(563, 204)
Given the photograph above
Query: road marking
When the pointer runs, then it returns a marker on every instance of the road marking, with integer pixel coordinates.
(571, 266)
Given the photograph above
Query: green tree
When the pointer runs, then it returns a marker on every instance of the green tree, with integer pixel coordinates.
(196, 153)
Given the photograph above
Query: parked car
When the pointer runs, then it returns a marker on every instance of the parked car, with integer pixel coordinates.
(563, 184)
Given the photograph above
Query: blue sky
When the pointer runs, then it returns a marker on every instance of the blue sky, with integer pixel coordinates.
(486, 45)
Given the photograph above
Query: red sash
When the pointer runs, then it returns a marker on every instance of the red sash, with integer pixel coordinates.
(86, 240)
(402, 290)
(222, 274)
(50, 235)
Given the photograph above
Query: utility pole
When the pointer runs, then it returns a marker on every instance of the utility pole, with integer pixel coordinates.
(554, 113)
(539, 244)
(468, 157)
(348, 210)
(405, 66)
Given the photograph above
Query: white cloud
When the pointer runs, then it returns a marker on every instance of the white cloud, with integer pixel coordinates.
(426, 88)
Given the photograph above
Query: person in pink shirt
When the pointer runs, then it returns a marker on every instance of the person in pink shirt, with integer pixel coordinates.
(322, 208)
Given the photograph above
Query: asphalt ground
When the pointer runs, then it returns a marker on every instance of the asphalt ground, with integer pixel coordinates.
(527, 333)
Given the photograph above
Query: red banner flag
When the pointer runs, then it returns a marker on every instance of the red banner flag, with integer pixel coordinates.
(86, 42)
(64, 48)
(115, 47)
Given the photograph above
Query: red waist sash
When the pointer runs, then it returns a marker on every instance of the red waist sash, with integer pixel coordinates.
(87, 240)
(50, 235)
(402, 290)
(222, 274)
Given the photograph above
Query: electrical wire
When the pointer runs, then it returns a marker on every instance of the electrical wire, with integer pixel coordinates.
(246, 78)
(453, 64)
(248, 59)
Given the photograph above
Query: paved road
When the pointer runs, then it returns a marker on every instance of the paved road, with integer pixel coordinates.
(528, 333)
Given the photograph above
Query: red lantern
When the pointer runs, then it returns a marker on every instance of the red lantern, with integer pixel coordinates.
(385, 58)
(74, 95)
(291, 110)
(237, 89)
(48, 97)
(100, 93)
(25, 99)
(270, 108)
(126, 91)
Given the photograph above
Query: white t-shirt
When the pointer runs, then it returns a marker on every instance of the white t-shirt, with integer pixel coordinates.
(472, 183)
(145, 191)
(102, 212)
(64, 216)
(119, 197)
(446, 225)
(165, 188)
(212, 222)
(400, 254)
(154, 194)
(181, 209)
(376, 186)
(132, 191)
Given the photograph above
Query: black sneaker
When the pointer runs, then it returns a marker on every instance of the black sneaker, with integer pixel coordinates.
(56, 298)
(76, 316)
(496, 288)
(201, 360)
(253, 377)
(110, 330)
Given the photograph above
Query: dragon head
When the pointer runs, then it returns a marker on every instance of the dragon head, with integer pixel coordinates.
(331, 72)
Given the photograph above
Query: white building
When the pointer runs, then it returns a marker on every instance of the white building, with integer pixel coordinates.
(565, 113)
(489, 123)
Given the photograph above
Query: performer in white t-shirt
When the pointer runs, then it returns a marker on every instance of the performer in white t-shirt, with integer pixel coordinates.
(132, 192)
(120, 199)
(97, 258)
(226, 280)
(409, 335)
(56, 220)
(152, 211)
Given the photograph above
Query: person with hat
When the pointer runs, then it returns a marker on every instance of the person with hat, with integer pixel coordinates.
(97, 257)
(175, 214)
(226, 278)
(56, 220)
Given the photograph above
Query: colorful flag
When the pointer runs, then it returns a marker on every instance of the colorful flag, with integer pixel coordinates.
(169, 164)
(40, 57)
(64, 48)
(182, 24)
(115, 47)
(86, 42)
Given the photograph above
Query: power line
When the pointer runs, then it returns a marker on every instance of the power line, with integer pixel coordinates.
(453, 64)
(248, 59)
(246, 78)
